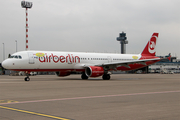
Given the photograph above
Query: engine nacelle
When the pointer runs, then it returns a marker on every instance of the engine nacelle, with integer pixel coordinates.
(94, 71)
(62, 73)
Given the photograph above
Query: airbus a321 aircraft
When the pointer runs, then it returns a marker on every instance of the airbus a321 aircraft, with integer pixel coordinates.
(89, 64)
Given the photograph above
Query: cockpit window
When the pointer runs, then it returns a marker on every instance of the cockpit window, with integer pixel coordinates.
(20, 57)
(16, 56)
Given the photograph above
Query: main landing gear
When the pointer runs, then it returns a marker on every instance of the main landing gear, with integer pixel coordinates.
(106, 77)
(27, 78)
(84, 76)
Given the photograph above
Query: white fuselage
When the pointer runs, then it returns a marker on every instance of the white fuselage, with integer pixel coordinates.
(55, 61)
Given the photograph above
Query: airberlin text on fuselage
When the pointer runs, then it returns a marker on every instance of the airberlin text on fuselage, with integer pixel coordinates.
(62, 59)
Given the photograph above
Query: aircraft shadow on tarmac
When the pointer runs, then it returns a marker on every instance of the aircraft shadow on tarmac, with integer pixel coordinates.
(79, 79)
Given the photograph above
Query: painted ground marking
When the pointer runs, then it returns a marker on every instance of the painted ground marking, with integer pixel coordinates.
(91, 97)
(33, 113)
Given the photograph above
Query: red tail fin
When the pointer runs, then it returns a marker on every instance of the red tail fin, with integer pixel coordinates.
(149, 50)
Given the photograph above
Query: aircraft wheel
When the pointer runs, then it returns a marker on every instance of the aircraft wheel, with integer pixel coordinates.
(84, 76)
(27, 79)
(106, 77)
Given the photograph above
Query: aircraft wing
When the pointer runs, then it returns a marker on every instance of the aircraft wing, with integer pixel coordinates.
(114, 65)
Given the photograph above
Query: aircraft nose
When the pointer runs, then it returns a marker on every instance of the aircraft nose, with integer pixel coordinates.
(5, 64)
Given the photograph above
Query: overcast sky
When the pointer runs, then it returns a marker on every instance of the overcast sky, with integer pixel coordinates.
(90, 25)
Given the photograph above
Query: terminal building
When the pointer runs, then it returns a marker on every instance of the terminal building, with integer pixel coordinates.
(165, 66)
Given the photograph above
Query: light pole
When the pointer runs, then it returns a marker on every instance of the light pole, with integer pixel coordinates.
(26, 5)
(3, 52)
(16, 45)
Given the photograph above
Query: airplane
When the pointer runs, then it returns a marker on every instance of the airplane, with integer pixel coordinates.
(89, 64)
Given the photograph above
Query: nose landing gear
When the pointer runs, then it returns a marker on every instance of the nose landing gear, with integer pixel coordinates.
(27, 78)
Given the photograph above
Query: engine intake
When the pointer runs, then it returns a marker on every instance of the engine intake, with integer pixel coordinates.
(94, 71)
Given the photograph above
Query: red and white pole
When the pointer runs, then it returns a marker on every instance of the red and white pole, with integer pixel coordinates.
(27, 28)
(26, 5)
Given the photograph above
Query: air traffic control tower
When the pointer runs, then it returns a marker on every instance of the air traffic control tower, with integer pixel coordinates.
(122, 38)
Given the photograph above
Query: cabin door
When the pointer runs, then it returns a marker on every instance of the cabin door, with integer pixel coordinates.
(109, 59)
(31, 58)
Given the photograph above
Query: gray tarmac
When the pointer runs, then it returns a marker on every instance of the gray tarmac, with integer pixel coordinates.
(124, 97)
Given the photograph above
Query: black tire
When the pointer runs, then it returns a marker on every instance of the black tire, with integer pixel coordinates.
(84, 76)
(106, 77)
(27, 79)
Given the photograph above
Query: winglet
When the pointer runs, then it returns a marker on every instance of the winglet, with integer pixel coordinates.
(150, 50)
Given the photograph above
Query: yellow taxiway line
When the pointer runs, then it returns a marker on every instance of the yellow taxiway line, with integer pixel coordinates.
(34, 113)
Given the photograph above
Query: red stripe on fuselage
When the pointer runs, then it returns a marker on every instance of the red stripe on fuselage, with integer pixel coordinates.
(49, 70)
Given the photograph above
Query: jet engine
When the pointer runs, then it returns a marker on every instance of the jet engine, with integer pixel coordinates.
(94, 71)
(62, 73)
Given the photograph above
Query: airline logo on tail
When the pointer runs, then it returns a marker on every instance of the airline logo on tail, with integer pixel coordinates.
(149, 50)
(152, 44)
